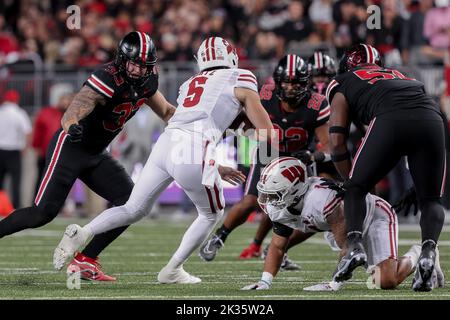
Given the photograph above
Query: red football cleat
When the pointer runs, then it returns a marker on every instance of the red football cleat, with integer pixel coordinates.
(90, 269)
(252, 251)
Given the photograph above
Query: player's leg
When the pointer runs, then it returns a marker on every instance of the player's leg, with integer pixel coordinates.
(110, 181)
(254, 249)
(426, 158)
(65, 162)
(152, 181)
(380, 240)
(236, 216)
(376, 156)
(209, 204)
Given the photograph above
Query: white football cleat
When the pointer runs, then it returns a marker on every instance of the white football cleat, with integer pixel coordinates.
(169, 276)
(325, 286)
(74, 237)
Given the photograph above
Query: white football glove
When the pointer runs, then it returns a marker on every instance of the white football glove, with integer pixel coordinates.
(325, 286)
(261, 285)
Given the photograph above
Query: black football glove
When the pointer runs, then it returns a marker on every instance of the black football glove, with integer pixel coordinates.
(336, 186)
(304, 156)
(407, 202)
(75, 132)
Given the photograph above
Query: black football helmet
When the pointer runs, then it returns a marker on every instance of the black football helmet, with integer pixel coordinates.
(291, 69)
(322, 69)
(358, 55)
(138, 48)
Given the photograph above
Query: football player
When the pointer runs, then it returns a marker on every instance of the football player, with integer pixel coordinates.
(299, 115)
(403, 121)
(208, 103)
(310, 205)
(108, 98)
(322, 69)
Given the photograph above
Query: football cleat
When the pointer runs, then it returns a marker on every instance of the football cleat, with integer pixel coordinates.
(252, 251)
(74, 237)
(170, 276)
(355, 257)
(288, 265)
(88, 268)
(325, 286)
(423, 280)
(209, 250)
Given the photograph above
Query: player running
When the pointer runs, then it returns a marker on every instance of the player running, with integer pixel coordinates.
(403, 121)
(207, 104)
(109, 98)
(299, 115)
(310, 205)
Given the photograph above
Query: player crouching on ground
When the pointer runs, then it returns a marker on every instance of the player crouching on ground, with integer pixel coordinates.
(310, 205)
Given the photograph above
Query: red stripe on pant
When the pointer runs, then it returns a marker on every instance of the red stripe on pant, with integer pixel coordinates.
(392, 229)
(210, 199)
(51, 167)
(362, 146)
(216, 191)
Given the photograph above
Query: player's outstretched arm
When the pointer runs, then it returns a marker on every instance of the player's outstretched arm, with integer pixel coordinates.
(163, 108)
(339, 128)
(81, 106)
(272, 263)
(256, 114)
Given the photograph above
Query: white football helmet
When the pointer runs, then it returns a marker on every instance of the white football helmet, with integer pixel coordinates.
(216, 52)
(282, 183)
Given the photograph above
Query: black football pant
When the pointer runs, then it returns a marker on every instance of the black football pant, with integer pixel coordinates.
(417, 134)
(67, 161)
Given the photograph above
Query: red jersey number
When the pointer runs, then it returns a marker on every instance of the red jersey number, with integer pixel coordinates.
(195, 92)
(372, 76)
(291, 139)
(124, 110)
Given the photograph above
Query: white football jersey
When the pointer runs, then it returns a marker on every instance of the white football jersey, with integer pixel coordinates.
(207, 104)
(319, 202)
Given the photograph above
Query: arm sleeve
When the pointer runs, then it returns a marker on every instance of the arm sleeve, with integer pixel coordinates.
(246, 79)
(332, 88)
(102, 82)
(282, 230)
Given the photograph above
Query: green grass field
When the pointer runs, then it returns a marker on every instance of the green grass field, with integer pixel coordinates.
(136, 257)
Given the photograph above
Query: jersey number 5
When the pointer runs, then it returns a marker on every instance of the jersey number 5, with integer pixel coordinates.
(194, 92)
(379, 74)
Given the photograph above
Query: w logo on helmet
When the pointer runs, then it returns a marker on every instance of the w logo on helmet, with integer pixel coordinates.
(293, 173)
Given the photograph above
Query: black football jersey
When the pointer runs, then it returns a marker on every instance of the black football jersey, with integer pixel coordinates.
(123, 101)
(296, 129)
(371, 91)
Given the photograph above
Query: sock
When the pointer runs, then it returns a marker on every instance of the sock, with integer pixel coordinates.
(101, 241)
(257, 242)
(193, 238)
(223, 233)
(354, 236)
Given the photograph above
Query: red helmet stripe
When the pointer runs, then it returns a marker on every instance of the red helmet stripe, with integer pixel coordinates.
(368, 53)
(213, 49)
(207, 49)
(292, 64)
(143, 46)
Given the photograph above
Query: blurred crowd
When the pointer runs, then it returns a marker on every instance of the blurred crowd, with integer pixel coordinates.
(412, 31)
